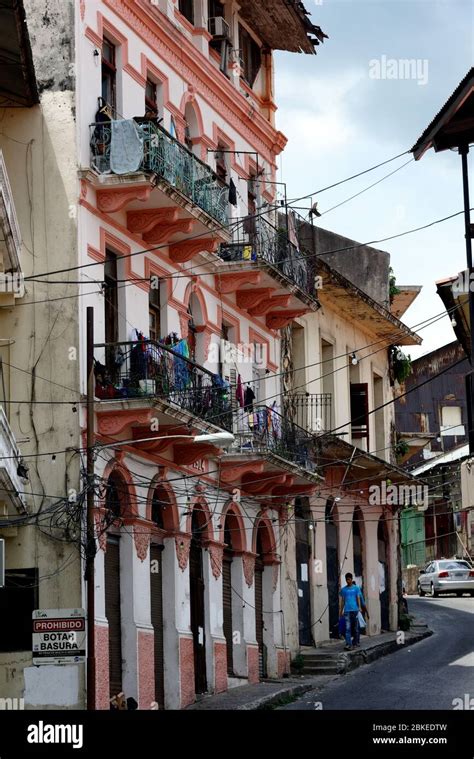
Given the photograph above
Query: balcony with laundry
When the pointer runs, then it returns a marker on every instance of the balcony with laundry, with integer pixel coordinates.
(143, 380)
(268, 272)
(272, 456)
(170, 195)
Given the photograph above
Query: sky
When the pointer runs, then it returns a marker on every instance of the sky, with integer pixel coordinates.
(343, 112)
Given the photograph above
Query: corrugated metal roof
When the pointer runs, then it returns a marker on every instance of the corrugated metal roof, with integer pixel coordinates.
(424, 138)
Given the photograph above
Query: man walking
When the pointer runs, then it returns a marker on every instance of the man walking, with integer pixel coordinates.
(350, 605)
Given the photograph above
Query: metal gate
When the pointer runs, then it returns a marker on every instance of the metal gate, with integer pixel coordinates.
(113, 613)
(156, 604)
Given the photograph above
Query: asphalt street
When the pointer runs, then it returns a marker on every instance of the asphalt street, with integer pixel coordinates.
(429, 675)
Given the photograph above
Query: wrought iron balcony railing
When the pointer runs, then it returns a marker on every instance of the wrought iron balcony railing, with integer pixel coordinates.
(312, 411)
(166, 157)
(265, 430)
(148, 369)
(257, 239)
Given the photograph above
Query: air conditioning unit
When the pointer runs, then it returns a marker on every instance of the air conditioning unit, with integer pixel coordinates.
(219, 28)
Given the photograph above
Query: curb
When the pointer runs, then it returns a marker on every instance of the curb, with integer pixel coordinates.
(262, 701)
(365, 656)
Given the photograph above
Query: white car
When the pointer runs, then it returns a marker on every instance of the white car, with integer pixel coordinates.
(446, 576)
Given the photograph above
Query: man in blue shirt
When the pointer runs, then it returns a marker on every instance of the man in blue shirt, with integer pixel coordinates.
(350, 605)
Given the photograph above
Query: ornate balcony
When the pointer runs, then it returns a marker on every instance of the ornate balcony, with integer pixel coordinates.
(170, 161)
(265, 430)
(311, 411)
(154, 372)
(261, 254)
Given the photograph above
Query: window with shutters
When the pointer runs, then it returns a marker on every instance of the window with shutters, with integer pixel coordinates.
(109, 74)
(154, 310)
(18, 600)
(250, 56)
(360, 410)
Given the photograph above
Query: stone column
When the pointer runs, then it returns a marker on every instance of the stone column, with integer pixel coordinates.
(345, 542)
(318, 574)
(372, 594)
(216, 647)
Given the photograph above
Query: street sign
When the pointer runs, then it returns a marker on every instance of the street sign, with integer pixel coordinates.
(59, 636)
(2, 563)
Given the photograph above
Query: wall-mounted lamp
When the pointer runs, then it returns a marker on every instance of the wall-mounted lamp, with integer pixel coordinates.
(354, 359)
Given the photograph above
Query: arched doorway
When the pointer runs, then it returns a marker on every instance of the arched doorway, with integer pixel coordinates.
(230, 525)
(196, 581)
(116, 507)
(259, 623)
(384, 574)
(264, 547)
(160, 506)
(191, 129)
(196, 324)
(332, 568)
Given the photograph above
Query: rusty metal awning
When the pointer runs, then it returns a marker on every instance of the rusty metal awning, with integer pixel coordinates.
(454, 123)
(282, 25)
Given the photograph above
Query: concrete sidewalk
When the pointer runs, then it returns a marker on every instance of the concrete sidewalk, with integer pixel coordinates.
(322, 665)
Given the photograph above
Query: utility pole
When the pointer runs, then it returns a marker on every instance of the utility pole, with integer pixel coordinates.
(90, 529)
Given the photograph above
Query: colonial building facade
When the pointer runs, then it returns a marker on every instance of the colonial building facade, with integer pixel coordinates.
(229, 499)
(177, 155)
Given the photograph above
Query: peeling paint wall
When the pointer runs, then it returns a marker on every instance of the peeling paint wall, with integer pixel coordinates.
(50, 20)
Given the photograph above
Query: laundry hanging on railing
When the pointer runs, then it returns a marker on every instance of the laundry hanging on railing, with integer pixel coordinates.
(181, 368)
(232, 193)
(239, 393)
(249, 398)
(276, 420)
(126, 147)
